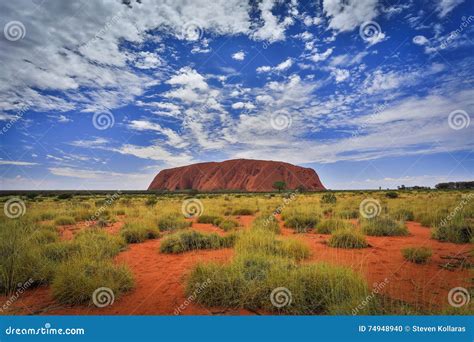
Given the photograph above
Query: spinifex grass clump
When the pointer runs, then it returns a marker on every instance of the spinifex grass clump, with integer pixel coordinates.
(172, 222)
(243, 211)
(329, 225)
(256, 282)
(215, 220)
(21, 259)
(417, 255)
(77, 280)
(227, 224)
(267, 222)
(64, 220)
(383, 226)
(403, 214)
(138, 231)
(458, 230)
(301, 222)
(191, 240)
(347, 238)
(347, 213)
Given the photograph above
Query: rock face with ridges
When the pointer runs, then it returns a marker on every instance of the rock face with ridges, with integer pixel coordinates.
(236, 174)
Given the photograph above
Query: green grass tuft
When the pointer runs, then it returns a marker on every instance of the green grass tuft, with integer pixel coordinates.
(347, 238)
(417, 255)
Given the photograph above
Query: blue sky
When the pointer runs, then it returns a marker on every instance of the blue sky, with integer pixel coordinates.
(102, 95)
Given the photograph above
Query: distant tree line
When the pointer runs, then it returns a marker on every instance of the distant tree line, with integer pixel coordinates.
(455, 185)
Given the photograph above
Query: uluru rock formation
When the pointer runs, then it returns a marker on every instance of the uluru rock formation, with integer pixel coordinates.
(236, 174)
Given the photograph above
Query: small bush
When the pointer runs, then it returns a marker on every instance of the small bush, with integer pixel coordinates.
(459, 231)
(192, 240)
(97, 244)
(64, 196)
(330, 225)
(383, 226)
(47, 215)
(227, 225)
(328, 198)
(268, 223)
(301, 222)
(417, 255)
(347, 238)
(172, 222)
(64, 220)
(135, 232)
(403, 215)
(150, 202)
(44, 236)
(243, 211)
(61, 251)
(391, 194)
(76, 280)
(215, 220)
(348, 214)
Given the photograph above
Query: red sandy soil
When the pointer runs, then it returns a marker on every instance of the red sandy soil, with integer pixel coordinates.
(160, 278)
(236, 174)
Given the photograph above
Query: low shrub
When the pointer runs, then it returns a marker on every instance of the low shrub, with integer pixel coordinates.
(215, 220)
(150, 202)
(254, 282)
(47, 215)
(348, 213)
(403, 215)
(347, 238)
(97, 244)
(301, 222)
(172, 222)
(459, 231)
(328, 198)
(391, 194)
(383, 226)
(61, 251)
(417, 255)
(227, 225)
(268, 223)
(64, 220)
(44, 236)
(135, 232)
(191, 240)
(243, 211)
(329, 225)
(77, 279)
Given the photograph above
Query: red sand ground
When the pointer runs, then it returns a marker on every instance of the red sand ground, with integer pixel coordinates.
(160, 278)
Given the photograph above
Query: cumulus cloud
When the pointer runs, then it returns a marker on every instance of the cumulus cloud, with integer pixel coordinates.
(346, 15)
(239, 56)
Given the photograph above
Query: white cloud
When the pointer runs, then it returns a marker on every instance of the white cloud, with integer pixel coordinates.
(420, 40)
(283, 66)
(239, 56)
(340, 75)
(243, 105)
(264, 68)
(16, 162)
(147, 60)
(318, 57)
(173, 138)
(445, 6)
(272, 29)
(346, 15)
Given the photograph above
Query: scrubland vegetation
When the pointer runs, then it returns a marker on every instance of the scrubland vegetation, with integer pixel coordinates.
(33, 246)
